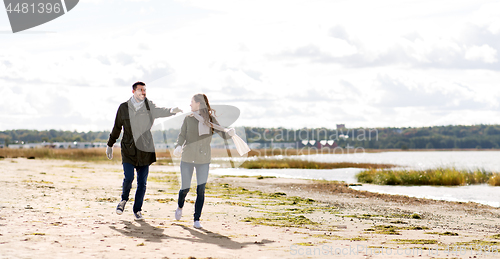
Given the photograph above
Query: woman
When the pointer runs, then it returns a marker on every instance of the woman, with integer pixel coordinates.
(194, 143)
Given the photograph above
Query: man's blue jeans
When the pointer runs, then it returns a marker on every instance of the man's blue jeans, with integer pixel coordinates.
(142, 177)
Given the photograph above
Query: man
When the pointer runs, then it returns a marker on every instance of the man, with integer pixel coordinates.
(136, 116)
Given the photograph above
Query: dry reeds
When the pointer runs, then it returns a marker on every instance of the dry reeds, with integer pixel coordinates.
(303, 164)
(494, 180)
(89, 154)
(439, 176)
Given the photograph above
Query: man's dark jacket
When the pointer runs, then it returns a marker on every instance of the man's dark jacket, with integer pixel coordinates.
(137, 149)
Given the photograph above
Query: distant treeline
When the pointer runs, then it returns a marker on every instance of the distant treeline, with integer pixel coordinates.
(437, 137)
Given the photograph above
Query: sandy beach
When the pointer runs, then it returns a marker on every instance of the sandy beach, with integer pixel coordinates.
(66, 209)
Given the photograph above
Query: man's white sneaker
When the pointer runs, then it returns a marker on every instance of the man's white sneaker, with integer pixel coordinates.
(121, 207)
(197, 224)
(138, 216)
(178, 213)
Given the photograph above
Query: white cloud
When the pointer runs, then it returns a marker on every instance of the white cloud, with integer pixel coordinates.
(482, 53)
(370, 63)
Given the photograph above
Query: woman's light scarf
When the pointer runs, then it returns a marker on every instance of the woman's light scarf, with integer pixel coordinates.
(203, 128)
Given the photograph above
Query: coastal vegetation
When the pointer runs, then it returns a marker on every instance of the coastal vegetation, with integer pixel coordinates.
(90, 154)
(439, 176)
(304, 164)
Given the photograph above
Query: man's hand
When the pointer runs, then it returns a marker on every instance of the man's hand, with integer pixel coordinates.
(178, 151)
(231, 132)
(109, 152)
(175, 110)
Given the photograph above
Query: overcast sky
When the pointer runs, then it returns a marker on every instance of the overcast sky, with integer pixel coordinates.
(290, 63)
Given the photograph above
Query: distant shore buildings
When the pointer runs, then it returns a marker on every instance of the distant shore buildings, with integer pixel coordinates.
(319, 144)
(58, 145)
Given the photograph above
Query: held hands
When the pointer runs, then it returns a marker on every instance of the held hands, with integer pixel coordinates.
(109, 152)
(178, 151)
(231, 132)
(175, 110)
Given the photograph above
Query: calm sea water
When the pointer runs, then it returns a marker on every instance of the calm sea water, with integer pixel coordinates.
(488, 160)
(484, 194)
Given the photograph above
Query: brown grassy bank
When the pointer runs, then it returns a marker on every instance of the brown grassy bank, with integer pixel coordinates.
(304, 164)
(90, 154)
(438, 176)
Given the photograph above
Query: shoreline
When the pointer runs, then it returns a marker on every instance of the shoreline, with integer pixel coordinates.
(57, 209)
(458, 193)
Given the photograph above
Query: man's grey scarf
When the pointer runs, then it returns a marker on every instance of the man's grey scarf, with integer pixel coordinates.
(137, 105)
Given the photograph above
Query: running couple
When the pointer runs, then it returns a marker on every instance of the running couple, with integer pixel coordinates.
(136, 117)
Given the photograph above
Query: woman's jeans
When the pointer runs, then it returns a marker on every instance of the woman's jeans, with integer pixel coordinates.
(201, 180)
(142, 177)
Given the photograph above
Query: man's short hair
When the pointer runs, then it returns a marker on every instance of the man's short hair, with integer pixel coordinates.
(134, 86)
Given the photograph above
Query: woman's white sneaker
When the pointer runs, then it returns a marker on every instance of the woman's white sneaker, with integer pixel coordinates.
(197, 224)
(178, 213)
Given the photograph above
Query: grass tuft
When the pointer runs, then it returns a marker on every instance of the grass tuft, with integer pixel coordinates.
(494, 180)
(447, 233)
(497, 236)
(384, 229)
(415, 216)
(286, 221)
(439, 176)
(415, 241)
(305, 244)
(477, 244)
